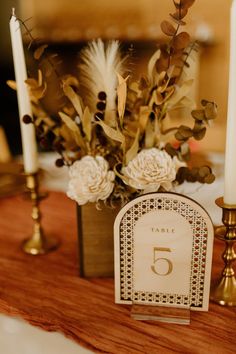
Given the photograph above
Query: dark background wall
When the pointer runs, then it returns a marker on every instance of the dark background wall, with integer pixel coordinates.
(67, 23)
(8, 112)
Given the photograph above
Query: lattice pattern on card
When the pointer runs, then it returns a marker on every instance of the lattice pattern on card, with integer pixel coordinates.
(199, 227)
(166, 299)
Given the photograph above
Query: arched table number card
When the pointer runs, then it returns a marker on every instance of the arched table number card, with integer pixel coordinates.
(163, 254)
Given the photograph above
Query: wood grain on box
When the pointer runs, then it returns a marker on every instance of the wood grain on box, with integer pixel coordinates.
(95, 235)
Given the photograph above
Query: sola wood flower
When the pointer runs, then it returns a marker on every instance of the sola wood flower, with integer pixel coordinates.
(150, 170)
(90, 180)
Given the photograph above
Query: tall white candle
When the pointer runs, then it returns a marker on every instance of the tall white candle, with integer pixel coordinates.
(230, 149)
(29, 146)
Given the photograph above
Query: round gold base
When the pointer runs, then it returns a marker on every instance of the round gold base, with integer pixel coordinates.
(40, 246)
(220, 232)
(224, 292)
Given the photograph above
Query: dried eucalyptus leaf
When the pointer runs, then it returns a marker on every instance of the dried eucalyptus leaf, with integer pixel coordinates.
(198, 135)
(185, 131)
(194, 171)
(132, 152)
(204, 171)
(181, 41)
(168, 28)
(182, 174)
(211, 110)
(165, 50)
(175, 18)
(209, 179)
(39, 51)
(198, 114)
(190, 178)
(180, 14)
(177, 54)
(179, 62)
(170, 150)
(179, 136)
(198, 126)
(162, 64)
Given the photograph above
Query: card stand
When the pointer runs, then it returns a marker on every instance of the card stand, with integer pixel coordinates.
(148, 312)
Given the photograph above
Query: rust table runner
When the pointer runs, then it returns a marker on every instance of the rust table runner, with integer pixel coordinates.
(47, 292)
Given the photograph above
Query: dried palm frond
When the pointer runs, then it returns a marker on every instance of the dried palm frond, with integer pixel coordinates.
(99, 66)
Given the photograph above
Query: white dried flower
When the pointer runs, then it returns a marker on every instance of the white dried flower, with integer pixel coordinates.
(90, 180)
(150, 170)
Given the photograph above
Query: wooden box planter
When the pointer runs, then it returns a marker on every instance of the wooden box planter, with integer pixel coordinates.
(95, 236)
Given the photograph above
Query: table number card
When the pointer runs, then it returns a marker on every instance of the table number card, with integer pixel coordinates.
(163, 252)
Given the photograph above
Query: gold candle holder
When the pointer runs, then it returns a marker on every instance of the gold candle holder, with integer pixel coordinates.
(224, 290)
(38, 244)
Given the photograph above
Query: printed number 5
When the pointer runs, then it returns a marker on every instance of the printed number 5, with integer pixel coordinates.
(156, 259)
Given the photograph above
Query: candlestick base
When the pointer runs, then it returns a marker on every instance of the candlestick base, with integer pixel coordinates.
(38, 244)
(223, 291)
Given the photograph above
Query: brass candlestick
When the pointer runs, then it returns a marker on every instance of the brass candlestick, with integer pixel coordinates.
(38, 243)
(224, 291)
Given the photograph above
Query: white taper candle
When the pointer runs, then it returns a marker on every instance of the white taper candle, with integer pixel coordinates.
(230, 149)
(29, 145)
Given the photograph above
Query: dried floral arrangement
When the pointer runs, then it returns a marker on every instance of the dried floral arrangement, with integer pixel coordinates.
(112, 130)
